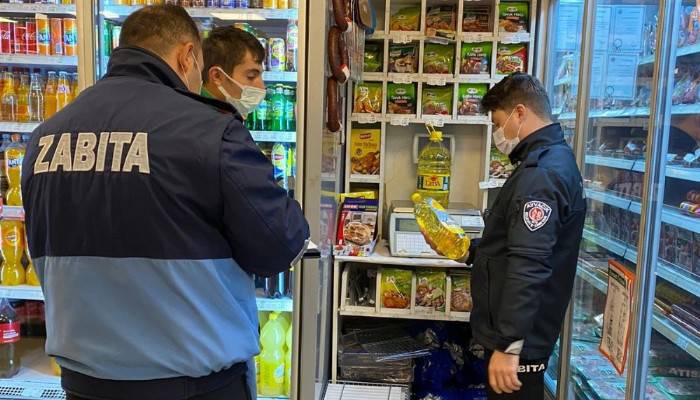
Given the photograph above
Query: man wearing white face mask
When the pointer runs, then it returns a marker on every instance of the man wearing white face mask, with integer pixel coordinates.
(525, 263)
(233, 68)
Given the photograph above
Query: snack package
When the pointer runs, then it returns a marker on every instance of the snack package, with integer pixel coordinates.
(403, 58)
(365, 147)
(513, 16)
(368, 97)
(374, 56)
(511, 58)
(441, 21)
(396, 288)
(696, 254)
(469, 98)
(406, 19)
(356, 227)
(693, 25)
(438, 59)
(477, 18)
(684, 250)
(401, 98)
(680, 388)
(461, 292)
(476, 58)
(437, 100)
(368, 194)
(430, 290)
(500, 166)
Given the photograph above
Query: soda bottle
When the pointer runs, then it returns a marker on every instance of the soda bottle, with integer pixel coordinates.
(9, 98)
(50, 100)
(14, 155)
(290, 110)
(74, 86)
(35, 99)
(288, 365)
(12, 272)
(279, 163)
(263, 114)
(23, 99)
(31, 276)
(272, 340)
(278, 107)
(437, 227)
(9, 338)
(63, 93)
(434, 164)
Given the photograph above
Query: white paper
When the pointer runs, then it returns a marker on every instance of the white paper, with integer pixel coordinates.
(616, 322)
(621, 76)
(627, 28)
(568, 27)
(601, 31)
(598, 75)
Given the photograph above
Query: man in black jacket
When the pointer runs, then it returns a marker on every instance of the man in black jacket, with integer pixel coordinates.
(525, 264)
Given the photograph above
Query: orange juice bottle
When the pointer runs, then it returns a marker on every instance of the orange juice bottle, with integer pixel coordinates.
(50, 100)
(9, 98)
(14, 155)
(63, 93)
(74, 86)
(12, 236)
(23, 99)
(31, 276)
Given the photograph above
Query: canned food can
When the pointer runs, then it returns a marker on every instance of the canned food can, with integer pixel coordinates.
(690, 208)
(70, 37)
(226, 3)
(6, 35)
(20, 35)
(277, 55)
(56, 27)
(282, 4)
(269, 3)
(43, 36)
(263, 43)
(31, 37)
(255, 4)
(214, 3)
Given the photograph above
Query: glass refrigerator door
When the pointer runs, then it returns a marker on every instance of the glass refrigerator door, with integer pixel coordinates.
(272, 125)
(38, 77)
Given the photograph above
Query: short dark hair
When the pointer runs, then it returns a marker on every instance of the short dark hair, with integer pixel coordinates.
(159, 28)
(227, 46)
(518, 88)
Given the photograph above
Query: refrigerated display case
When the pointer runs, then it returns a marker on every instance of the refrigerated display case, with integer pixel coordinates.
(624, 78)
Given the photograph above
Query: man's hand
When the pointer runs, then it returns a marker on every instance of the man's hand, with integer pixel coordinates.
(503, 373)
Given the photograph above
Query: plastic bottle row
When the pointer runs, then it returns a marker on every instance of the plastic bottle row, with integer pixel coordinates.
(17, 267)
(35, 97)
(267, 4)
(274, 363)
(42, 36)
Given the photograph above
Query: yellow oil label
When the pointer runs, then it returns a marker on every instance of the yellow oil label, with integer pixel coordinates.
(433, 182)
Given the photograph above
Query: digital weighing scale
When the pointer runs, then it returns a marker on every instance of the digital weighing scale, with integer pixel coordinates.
(405, 239)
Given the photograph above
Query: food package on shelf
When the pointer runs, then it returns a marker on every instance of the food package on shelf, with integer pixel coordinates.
(513, 16)
(438, 59)
(499, 166)
(437, 100)
(368, 97)
(441, 21)
(511, 58)
(476, 18)
(431, 286)
(396, 288)
(403, 58)
(476, 58)
(374, 57)
(362, 286)
(357, 228)
(365, 149)
(405, 19)
(469, 98)
(401, 98)
(461, 292)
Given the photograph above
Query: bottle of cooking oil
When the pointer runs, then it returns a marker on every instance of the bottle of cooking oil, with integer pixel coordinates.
(434, 164)
(438, 227)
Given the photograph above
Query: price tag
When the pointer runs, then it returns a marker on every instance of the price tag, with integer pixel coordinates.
(367, 119)
(402, 78)
(436, 121)
(436, 80)
(399, 121)
(13, 212)
(682, 343)
(401, 38)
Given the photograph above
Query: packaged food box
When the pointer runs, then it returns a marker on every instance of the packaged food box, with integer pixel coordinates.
(374, 56)
(365, 147)
(441, 21)
(477, 18)
(469, 98)
(438, 59)
(684, 252)
(680, 388)
(403, 58)
(401, 98)
(667, 244)
(405, 19)
(368, 97)
(437, 100)
(696, 253)
(357, 227)
(430, 290)
(513, 16)
(476, 58)
(511, 58)
(500, 166)
(396, 288)
(461, 292)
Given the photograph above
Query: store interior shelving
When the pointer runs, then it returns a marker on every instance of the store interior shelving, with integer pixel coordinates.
(28, 8)
(233, 14)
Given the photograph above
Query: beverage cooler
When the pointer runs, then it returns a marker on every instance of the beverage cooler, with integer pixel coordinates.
(623, 78)
(50, 50)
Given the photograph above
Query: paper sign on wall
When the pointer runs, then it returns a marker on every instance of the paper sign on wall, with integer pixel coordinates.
(617, 318)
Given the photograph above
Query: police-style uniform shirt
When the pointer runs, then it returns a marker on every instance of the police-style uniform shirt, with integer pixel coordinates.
(148, 208)
(525, 263)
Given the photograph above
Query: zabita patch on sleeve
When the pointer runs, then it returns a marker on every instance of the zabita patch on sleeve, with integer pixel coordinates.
(536, 214)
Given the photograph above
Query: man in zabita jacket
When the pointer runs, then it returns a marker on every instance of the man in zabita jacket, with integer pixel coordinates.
(148, 207)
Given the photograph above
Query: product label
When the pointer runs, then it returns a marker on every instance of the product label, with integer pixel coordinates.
(261, 111)
(9, 333)
(279, 374)
(434, 182)
(277, 109)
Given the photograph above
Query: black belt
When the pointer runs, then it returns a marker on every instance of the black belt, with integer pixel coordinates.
(178, 388)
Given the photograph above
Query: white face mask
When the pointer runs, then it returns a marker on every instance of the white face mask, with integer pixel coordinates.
(198, 87)
(250, 96)
(504, 145)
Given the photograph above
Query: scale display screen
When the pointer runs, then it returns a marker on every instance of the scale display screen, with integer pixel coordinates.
(407, 225)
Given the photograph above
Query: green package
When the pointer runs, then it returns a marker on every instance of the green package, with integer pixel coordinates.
(396, 288)
(461, 292)
(430, 289)
(476, 58)
(513, 16)
(374, 57)
(437, 100)
(469, 98)
(500, 166)
(368, 97)
(403, 58)
(511, 58)
(401, 98)
(406, 19)
(438, 59)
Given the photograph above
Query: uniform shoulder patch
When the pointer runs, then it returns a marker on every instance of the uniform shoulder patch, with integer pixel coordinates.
(536, 214)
